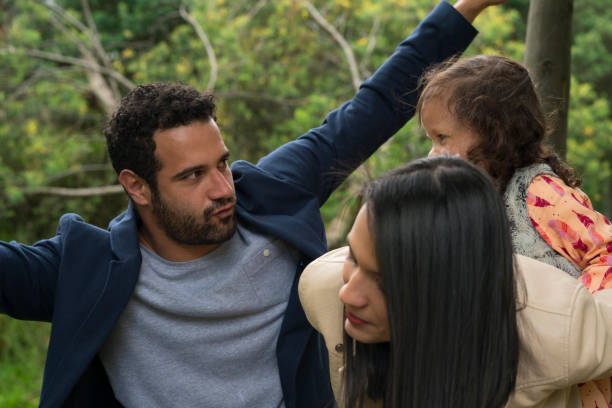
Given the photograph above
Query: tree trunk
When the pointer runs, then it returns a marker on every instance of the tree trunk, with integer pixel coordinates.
(548, 58)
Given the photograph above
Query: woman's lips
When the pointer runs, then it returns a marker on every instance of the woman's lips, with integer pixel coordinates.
(353, 319)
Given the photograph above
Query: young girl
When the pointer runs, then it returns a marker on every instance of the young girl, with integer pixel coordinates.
(486, 110)
(428, 297)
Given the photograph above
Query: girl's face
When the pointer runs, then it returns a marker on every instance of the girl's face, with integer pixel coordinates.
(364, 301)
(447, 134)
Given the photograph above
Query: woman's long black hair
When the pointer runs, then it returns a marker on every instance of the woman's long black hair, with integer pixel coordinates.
(444, 251)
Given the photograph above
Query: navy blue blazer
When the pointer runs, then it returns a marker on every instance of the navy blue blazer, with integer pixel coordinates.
(82, 279)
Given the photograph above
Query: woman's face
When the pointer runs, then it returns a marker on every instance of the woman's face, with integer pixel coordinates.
(364, 301)
(447, 134)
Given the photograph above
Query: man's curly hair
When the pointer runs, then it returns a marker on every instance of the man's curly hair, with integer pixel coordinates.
(495, 97)
(145, 110)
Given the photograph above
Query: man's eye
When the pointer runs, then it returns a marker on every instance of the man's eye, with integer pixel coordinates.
(224, 164)
(193, 175)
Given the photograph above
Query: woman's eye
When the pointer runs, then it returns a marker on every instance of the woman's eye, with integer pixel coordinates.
(223, 165)
(442, 138)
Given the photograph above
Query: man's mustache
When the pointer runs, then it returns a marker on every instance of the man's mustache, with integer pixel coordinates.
(216, 204)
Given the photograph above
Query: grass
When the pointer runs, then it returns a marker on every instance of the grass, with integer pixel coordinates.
(23, 346)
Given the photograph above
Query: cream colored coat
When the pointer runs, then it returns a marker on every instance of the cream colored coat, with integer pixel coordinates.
(565, 332)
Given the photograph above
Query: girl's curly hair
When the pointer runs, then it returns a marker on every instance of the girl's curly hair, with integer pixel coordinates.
(495, 97)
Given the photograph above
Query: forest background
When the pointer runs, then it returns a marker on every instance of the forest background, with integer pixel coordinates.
(276, 66)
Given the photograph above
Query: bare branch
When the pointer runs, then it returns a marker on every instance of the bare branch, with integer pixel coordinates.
(22, 88)
(370, 46)
(348, 52)
(89, 65)
(107, 92)
(78, 170)
(83, 48)
(253, 12)
(93, 33)
(261, 97)
(51, 5)
(94, 37)
(38, 75)
(108, 95)
(75, 192)
(212, 60)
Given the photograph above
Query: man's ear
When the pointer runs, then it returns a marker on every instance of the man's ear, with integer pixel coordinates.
(138, 189)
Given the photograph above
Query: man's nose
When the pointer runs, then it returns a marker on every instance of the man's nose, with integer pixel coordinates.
(221, 186)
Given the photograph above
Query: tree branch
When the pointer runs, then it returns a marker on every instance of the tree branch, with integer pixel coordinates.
(89, 65)
(370, 46)
(261, 97)
(253, 12)
(75, 192)
(51, 5)
(348, 52)
(212, 60)
(78, 170)
(94, 37)
(93, 33)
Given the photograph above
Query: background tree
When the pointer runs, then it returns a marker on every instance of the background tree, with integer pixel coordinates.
(548, 58)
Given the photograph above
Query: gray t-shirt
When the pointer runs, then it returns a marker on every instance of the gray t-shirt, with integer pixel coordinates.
(203, 333)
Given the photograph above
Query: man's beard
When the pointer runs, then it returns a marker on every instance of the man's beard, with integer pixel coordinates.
(186, 228)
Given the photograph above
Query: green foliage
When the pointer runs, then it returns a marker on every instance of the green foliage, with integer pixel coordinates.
(591, 56)
(22, 354)
(589, 142)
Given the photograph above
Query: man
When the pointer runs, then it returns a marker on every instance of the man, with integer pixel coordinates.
(190, 298)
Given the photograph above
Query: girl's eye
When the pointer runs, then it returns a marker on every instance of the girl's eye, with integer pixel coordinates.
(442, 138)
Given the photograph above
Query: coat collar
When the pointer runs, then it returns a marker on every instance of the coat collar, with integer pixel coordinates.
(124, 234)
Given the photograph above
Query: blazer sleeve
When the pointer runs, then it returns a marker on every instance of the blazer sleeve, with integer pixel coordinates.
(28, 276)
(323, 157)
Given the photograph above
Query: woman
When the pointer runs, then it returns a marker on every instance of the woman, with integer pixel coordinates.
(486, 110)
(429, 297)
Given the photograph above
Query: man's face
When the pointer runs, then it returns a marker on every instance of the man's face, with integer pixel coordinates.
(194, 200)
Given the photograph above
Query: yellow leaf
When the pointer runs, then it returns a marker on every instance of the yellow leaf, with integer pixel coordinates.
(32, 127)
(118, 66)
(183, 67)
(127, 53)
